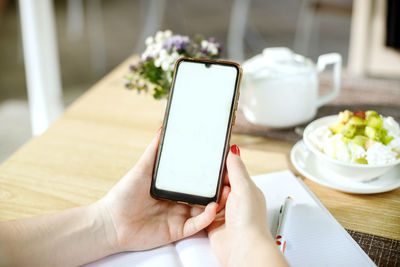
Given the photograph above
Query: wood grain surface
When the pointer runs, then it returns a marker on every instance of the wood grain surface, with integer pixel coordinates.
(101, 136)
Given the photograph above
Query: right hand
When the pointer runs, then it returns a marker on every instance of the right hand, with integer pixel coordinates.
(135, 221)
(242, 228)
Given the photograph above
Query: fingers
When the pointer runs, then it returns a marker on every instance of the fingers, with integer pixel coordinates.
(226, 178)
(216, 224)
(146, 161)
(201, 221)
(237, 173)
(224, 197)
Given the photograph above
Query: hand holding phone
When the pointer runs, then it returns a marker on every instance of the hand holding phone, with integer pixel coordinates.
(197, 127)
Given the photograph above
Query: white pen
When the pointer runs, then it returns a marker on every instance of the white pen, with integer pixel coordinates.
(284, 214)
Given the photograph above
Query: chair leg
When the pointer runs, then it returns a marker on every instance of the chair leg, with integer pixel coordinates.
(41, 62)
(75, 19)
(304, 29)
(237, 29)
(97, 39)
(152, 15)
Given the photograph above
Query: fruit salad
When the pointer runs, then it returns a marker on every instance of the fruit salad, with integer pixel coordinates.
(360, 137)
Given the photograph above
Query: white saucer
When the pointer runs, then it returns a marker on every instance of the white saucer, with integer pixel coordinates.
(307, 164)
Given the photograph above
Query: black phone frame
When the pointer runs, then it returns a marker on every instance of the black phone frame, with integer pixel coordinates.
(188, 198)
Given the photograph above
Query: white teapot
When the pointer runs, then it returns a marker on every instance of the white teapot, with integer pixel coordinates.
(280, 88)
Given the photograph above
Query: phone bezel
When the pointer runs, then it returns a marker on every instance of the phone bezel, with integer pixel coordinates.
(188, 198)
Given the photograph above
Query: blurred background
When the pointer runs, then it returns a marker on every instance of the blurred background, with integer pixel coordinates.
(94, 36)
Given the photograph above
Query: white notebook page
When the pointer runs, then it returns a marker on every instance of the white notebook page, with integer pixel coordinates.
(314, 237)
(196, 251)
(165, 256)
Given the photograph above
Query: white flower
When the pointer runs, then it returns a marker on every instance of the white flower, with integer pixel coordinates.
(159, 37)
(165, 65)
(168, 33)
(148, 52)
(169, 76)
(157, 49)
(141, 83)
(149, 40)
(163, 54)
(157, 62)
(212, 48)
(144, 55)
(175, 56)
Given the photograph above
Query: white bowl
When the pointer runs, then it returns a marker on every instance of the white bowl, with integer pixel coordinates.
(353, 171)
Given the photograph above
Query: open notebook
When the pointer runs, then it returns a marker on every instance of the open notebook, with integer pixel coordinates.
(314, 237)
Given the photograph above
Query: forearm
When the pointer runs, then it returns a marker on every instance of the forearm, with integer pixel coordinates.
(257, 250)
(68, 238)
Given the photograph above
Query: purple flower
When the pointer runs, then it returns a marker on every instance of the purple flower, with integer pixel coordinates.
(178, 41)
(173, 46)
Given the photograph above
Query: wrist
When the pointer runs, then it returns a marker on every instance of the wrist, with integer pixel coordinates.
(107, 231)
(250, 244)
(255, 234)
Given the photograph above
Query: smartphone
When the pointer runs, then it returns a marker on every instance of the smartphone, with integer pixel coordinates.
(196, 130)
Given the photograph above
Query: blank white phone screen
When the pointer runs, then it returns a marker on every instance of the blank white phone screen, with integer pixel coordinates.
(196, 129)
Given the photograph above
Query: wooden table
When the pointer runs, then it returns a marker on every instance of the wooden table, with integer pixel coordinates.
(100, 137)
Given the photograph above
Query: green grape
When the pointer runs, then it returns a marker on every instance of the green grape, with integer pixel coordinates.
(360, 130)
(345, 140)
(360, 140)
(382, 136)
(370, 132)
(357, 121)
(349, 130)
(361, 161)
(370, 113)
(375, 122)
(363, 132)
(387, 139)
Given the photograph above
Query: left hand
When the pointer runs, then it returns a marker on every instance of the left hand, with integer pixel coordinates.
(135, 221)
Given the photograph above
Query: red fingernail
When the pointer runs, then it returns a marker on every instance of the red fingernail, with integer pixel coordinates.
(159, 129)
(235, 150)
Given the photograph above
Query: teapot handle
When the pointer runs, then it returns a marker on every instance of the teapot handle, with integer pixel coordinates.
(323, 61)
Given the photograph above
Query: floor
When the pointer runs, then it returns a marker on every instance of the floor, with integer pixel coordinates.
(271, 23)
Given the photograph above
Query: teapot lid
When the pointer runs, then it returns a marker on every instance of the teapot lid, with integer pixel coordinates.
(277, 53)
(276, 61)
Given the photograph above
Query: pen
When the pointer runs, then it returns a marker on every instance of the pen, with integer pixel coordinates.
(284, 214)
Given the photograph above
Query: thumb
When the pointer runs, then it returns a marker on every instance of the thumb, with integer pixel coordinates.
(201, 221)
(237, 172)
